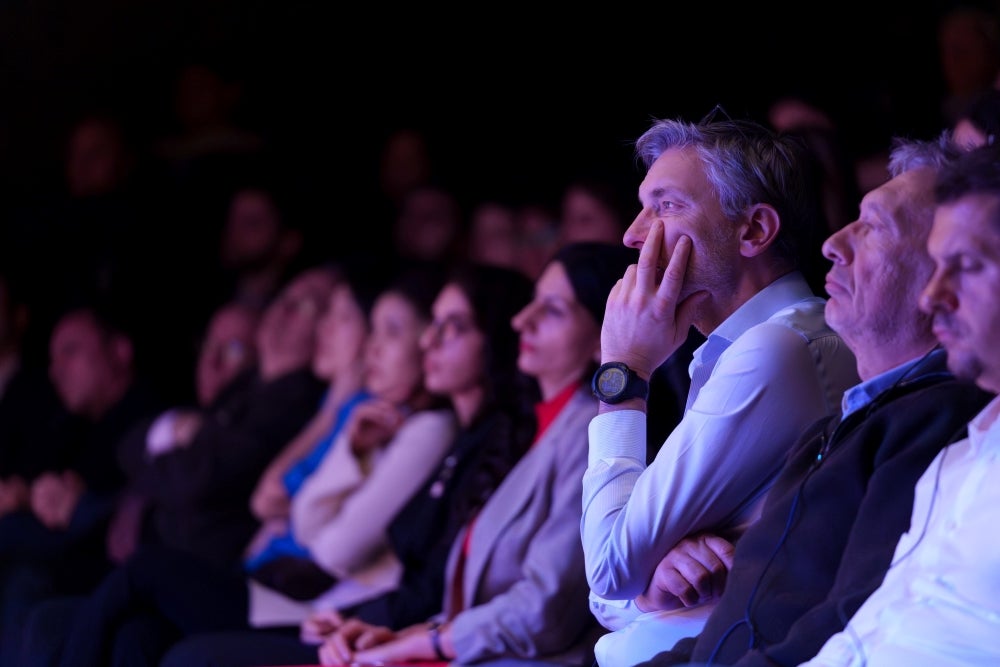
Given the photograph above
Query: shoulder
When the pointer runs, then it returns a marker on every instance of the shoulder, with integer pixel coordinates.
(805, 319)
(437, 421)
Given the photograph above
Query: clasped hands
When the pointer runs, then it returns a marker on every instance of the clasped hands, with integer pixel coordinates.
(343, 642)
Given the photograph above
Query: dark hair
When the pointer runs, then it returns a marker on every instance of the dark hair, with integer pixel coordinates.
(984, 113)
(365, 278)
(419, 283)
(975, 172)
(497, 294)
(593, 269)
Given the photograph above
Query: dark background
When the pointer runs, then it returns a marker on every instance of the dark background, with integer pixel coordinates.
(513, 95)
(516, 100)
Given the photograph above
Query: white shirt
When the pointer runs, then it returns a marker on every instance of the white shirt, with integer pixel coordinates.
(940, 601)
(767, 372)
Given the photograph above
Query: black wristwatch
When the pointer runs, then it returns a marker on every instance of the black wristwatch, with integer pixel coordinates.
(615, 382)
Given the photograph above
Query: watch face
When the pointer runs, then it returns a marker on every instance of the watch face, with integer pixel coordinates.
(611, 381)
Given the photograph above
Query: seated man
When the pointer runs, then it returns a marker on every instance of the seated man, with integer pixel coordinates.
(726, 207)
(52, 538)
(197, 467)
(828, 528)
(940, 601)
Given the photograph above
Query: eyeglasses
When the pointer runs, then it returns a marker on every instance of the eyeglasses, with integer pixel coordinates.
(451, 327)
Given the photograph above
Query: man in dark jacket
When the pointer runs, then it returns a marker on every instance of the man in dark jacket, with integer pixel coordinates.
(52, 538)
(832, 520)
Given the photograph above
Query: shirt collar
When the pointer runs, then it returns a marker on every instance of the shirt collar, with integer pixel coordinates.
(863, 393)
(787, 290)
(984, 429)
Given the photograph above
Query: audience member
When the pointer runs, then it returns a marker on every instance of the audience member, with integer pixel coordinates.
(494, 236)
(834, 167)
(198, 467)
(470, 355)
(430, 226)
(968, 50)
(339, 360)
(516, 588)
(831, 521)
(390, 444)
(592, 208)
(227, 352)
(207, 132)
(259, 245)
(938, 603)
(405, 163)
(388, 448)
(54, 544)
(538, 225)
(724, 206)
(85, 239)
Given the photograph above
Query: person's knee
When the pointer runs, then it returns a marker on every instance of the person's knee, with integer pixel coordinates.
(189, 653)
(44, 629)
(142, 640)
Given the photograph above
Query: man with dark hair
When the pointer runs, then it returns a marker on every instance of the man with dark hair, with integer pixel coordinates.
(53, 541)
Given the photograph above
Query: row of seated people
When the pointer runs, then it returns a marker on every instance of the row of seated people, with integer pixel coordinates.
(856, 374)
(445, 407)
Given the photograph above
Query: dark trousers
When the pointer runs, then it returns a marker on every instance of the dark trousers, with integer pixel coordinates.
(37, 563)
(145, 605)
(255, 648)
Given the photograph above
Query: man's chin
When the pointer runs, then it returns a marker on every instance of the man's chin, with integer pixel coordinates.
(963, 365)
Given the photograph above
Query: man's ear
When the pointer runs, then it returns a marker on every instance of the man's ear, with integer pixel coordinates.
(759, 231)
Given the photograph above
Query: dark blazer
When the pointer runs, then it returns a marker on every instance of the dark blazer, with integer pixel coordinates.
(200, 493)
(846, 510)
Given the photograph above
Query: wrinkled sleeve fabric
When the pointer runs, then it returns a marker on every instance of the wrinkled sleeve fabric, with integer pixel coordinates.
(714, 468)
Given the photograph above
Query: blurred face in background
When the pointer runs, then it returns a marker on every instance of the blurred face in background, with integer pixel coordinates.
(286, 336)
(559, 337)
(341, 335)
(586, 218)
(454, 347)
(252, 230)
(88, 366)
(393, 360)
(97, 161)
(229, 348)
(428, 224)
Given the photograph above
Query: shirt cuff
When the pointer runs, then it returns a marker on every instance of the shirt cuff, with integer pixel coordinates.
(617, 434)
